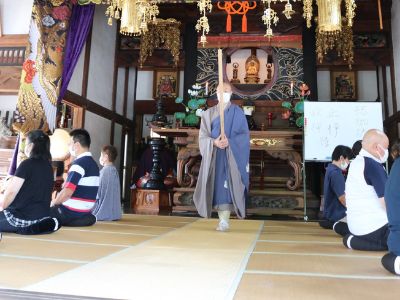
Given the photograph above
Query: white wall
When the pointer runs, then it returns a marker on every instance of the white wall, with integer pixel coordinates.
(8, 102)
(75, 84)
(324, 85)
(367, 88)
(396, 45)
(101, 59)
(99, 129)
(15, 16)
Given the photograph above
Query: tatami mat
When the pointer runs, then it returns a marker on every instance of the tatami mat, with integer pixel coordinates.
(298, 260)
(277, 287)
(161, 257)
(193, 262)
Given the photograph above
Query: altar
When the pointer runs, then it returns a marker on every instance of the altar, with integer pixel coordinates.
(275, 170)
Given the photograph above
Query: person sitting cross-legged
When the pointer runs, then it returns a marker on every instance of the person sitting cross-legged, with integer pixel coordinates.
(391, 260)
(73, 205)
(334, 195)
(365, 188)
(25, 207)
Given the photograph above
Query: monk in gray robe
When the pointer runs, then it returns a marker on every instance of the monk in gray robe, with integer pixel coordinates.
(223, 180)
(108, 202)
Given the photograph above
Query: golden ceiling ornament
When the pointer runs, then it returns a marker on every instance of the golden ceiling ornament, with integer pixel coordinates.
(270, 16)
(341, 42)
(202, 23)
(162, 34)
(134, 14)
(326, 6)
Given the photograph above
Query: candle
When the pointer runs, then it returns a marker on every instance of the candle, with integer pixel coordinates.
(291, 88)
(206, 92)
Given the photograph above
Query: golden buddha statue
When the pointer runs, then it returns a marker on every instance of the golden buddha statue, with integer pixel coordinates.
(252, 68)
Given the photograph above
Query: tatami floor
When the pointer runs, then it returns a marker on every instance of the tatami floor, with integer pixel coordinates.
(159, 257)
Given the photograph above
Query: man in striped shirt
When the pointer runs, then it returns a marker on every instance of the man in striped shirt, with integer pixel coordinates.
(73, 205)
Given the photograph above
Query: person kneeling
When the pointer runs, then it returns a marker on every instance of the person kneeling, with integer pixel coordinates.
(25, 207)
(391, 261)
(74, 203)
(365, 189)
(334, 196)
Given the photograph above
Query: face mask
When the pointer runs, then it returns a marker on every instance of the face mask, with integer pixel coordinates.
(72, 151)
(344, 165)
(385, 156)
(226, 97)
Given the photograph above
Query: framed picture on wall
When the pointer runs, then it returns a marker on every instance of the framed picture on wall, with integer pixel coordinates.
(166, 82)
(344, 85)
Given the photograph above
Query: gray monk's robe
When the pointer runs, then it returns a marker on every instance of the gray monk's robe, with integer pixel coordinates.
(234, 159)
(108, 202)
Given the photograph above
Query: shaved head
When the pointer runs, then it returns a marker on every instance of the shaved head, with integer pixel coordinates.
(375, 142)
(226, 88)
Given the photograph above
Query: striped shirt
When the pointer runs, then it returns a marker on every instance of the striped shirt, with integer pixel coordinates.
(83, 179)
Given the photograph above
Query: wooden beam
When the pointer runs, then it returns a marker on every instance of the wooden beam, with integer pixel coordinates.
(385, 92)
(98, 109)
(126, 87)
(14, 40)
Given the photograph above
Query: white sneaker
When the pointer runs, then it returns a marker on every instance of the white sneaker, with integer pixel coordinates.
(222, 226)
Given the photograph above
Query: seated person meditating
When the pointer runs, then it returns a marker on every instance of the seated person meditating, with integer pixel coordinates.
(108, 203)
(73, 205)
(25, 207)
(365, 187)
(334, 196)
(391, 261)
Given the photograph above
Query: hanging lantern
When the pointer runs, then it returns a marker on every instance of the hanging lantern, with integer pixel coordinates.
(329, 16)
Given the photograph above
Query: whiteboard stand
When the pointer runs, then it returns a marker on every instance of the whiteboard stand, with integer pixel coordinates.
(304, 191)
(305, 217)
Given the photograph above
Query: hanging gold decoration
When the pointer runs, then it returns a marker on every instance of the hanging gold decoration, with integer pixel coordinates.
(202, 24)
(341, 42)
(164, 34)
(270, 16)
(134, 14)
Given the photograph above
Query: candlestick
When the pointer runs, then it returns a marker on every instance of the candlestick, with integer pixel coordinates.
(206, 92)
(291, 88)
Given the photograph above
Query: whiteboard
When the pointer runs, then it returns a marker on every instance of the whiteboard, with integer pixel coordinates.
(328, 124)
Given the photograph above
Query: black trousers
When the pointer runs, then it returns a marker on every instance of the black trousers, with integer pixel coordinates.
(391, 262)
(70, 219)
(339, 227)
(374, 241)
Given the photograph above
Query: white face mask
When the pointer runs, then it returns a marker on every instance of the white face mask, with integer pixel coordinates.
(72, 151)
(226, 97)
(344, 165)
(385, 156)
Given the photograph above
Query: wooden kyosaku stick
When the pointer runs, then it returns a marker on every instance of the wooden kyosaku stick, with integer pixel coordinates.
(221, 93)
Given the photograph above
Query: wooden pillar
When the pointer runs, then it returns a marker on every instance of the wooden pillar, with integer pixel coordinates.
(385, 92)
(190, 48)
(310, 61)
(85, 79)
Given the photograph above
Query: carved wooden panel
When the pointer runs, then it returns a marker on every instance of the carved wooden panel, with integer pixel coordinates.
(10, 78)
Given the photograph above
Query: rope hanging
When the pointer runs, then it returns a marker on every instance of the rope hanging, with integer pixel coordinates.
(236, 8)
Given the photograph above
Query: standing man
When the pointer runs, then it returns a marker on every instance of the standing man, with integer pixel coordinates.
(365, 188)
(74, 203)
(223, 180)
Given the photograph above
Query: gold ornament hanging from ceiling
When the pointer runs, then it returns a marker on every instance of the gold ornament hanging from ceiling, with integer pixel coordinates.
(135, 15)
(334, 32)
(162, 34)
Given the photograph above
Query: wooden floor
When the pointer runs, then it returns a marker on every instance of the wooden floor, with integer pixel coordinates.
(154, 257)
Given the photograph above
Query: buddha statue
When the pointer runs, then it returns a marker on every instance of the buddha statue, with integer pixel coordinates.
(252, 68)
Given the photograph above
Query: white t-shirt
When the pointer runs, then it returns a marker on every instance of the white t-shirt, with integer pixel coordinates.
(365, 184)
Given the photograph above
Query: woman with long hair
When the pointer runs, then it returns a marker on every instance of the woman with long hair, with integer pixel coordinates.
(25, 206)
